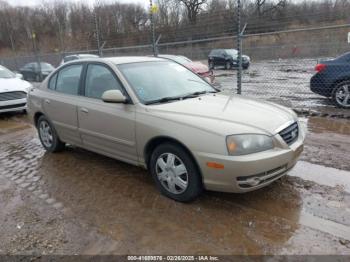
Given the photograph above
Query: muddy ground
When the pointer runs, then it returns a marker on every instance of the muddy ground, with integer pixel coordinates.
(77, 202)
(284, 81)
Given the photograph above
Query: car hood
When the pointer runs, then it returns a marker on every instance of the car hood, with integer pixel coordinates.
(223, 115)
(13, 84)
(197, 67)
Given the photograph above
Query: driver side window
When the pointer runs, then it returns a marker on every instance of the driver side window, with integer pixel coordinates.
(98, 80)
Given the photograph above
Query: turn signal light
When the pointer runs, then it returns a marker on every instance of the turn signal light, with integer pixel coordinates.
(215, 165)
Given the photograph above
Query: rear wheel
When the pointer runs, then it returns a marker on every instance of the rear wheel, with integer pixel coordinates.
(48, 136)
(174, 172)
(341, 94)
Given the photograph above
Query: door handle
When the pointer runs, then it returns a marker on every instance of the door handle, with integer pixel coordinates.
(84, 110)
(47, 101)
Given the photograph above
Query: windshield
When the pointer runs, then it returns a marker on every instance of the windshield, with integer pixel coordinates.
(232, 52)
(153, 81)
(5, 73)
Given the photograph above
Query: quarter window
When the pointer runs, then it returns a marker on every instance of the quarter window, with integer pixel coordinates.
(98, 80)
(68, 79)
(52, 83)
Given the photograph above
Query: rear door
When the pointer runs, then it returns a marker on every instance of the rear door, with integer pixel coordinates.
(61, 100)
(106, 128)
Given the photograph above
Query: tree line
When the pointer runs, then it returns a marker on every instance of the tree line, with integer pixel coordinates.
(64, 26)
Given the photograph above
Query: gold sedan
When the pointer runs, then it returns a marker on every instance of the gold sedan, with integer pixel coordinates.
(159, 115)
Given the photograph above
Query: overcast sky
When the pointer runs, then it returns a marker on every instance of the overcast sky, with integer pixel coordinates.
(36, 2)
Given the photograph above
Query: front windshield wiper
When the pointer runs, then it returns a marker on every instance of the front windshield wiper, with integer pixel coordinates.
(195, 94)
(163, 100)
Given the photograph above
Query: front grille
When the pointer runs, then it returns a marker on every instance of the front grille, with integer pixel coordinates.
(262, 178)
(290, 134)
(12, 95)
(12, 106)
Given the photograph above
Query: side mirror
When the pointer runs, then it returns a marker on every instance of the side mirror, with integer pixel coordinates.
(18, 75)
(114, 96)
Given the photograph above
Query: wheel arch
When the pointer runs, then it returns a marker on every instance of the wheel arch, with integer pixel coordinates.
(37, 115)
(337, 82)
(154, 142)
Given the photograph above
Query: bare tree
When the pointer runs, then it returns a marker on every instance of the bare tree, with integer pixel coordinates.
(193, 7)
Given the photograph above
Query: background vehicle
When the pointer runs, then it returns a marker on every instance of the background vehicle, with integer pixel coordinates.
(69, 58)
(31, 71)
(227, 58)
(197, 67)
(13, 91)
(158, 114)
(333, 80)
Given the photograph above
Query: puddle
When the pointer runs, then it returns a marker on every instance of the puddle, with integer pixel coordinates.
(322, 175)
(328, 125)
(13, 122)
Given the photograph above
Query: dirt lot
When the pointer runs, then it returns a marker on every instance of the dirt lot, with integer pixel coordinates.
(285, 81)
(77, 202)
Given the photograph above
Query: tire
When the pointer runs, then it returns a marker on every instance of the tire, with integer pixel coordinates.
(246, 67)
(228, 65)
(211, 65)
(341, 94)
(182, 183)
(48, 136)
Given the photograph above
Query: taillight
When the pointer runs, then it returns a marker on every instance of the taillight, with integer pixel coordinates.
(320, 67)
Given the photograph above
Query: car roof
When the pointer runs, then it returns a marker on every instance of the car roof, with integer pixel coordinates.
(130, 59)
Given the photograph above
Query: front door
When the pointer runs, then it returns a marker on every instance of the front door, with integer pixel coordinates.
(107, 128)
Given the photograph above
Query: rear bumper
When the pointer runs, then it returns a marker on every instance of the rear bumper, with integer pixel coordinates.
(321, 85)
(13, 105)
(251, 172)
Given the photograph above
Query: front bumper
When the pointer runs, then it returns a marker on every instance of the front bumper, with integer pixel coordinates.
(250, 172)
(13, 105)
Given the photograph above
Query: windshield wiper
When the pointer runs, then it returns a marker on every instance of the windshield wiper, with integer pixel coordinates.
(163, 100)
(196, 94)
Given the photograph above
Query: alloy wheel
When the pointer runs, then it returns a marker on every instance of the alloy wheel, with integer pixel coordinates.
(342, 95)
(46, 134)
(172, 173)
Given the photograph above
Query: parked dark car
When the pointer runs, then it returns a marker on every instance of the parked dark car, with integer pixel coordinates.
(227, 58)
(69, 58)
(31, 71)
(333, 80)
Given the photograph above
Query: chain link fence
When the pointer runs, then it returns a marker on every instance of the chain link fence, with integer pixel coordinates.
(282, 62)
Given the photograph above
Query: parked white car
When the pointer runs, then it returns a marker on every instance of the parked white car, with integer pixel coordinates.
(13, 91)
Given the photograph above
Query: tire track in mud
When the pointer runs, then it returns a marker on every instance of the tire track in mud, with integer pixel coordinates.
(20, 163)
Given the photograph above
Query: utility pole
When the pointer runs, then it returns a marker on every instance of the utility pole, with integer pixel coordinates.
(151, 11)
(239, 48)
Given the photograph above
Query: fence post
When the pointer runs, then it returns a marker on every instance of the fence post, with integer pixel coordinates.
(97, 28)
(37, 56)
(239, 48)
(151, 11)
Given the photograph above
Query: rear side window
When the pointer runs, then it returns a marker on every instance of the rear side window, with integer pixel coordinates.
(214, 52)
(68, 79)
(52, 82)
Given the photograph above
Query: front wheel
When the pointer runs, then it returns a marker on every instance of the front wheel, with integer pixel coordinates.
(175, 173)
(341, 94)
(211, 65)
(48, 136)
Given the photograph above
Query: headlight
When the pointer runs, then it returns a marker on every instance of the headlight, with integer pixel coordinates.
(238, 145)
